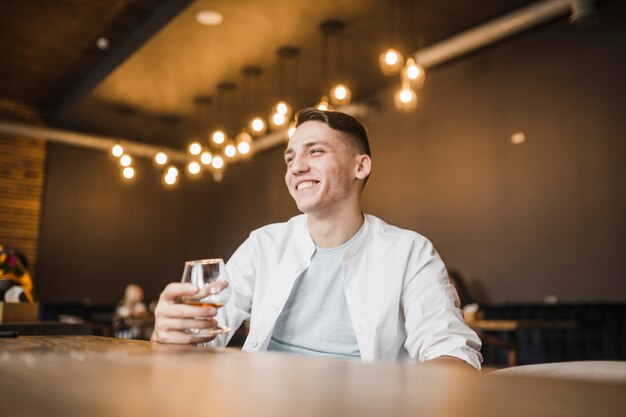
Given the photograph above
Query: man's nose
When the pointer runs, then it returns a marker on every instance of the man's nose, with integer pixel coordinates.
(299, 165)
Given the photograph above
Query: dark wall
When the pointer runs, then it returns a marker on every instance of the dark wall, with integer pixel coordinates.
(520, 221)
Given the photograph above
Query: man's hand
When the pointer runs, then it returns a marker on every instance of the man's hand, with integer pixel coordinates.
(173, 320)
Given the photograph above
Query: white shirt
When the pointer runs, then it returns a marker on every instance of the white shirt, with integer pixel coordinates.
(400, 300)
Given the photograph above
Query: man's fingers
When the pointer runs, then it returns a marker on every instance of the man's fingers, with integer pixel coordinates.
(185, 311)
(175, 290)
(167, 324)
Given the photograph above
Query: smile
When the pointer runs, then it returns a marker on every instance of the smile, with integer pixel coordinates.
(305, 184)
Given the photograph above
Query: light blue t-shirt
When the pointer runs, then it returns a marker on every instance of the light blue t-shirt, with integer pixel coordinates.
(315, 319)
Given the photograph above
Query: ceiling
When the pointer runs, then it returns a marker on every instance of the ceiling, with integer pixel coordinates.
(143, 86)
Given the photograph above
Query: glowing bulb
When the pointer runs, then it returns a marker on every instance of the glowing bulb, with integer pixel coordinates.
(193, 168)
(257, 125)
(160, 158)
(340, 95)
(171, 171)
(292, 130)
(413, 74)
(243, 148)
(170, 180)
(230, 151)
(218, 162)
(244, 143)
(218, 137)
(390, 62)
(282, 108)
(278, 119)
(117, 150)
(125, 160)
(206, 157)
(128, 173)
(195, 148)
(324, 105)
(405, 99)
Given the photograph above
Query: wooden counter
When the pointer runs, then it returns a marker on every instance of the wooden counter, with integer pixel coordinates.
(96, 376)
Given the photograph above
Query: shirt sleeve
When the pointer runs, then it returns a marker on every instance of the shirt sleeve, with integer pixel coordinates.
(241, 269)
(433, 321)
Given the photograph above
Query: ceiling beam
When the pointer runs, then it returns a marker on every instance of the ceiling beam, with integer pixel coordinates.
(161, 15)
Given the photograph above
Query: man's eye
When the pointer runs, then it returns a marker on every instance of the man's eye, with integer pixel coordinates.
(316, 151)
(288, 160)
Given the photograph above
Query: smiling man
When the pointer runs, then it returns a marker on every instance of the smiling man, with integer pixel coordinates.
(333, 281)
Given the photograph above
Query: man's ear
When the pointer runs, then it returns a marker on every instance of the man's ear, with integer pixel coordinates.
(364, 166)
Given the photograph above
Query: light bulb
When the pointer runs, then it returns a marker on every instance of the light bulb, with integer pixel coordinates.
(405, 99)
(170, 180)
(278, 120)
(171, 171)
(230, 150)
(128, 173)
(218, 162)
(243, 148)
(324, 105)
(193, 168)
(125, 160)
(283, 108)
(257, 125)
(206, 157)
(160, 158)
(218, 137)
(413, 74)
(117, 150)
(390, 62)
(195, 148)
(244, 143)
(340, 95)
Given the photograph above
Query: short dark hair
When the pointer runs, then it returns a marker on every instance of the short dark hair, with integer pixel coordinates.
(342, 122)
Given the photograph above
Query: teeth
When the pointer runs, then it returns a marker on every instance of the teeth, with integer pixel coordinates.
(305, 184)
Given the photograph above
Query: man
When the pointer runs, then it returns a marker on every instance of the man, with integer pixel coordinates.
(333, 281)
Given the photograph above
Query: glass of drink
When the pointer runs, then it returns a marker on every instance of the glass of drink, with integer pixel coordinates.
(209, 275)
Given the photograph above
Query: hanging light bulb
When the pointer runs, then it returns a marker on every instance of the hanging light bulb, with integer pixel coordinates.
(206, 157)
(218, 162)
(340, 95)
(230, 150)
(324, 104)
(128, 173)
(170, 176)
(278, 121)
(125, 160)
(413, 74)
(218, 137)
(390, 62)
(292, 129)
(117, 150)
(405, 99)
(244, 143)
(194, 148)
(281, 113)
(160, 158)
(193, 169)
(257, 126)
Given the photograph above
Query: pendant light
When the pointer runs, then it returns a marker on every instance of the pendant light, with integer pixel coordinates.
(256, 125)
(405, 99)
(282, 110)
(219, 136)
(332, 45)
(391, 60)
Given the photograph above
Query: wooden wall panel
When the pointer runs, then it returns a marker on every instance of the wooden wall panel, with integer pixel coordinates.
(21, 185)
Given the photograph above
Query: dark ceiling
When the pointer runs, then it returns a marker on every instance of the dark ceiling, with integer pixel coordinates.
(143, 87)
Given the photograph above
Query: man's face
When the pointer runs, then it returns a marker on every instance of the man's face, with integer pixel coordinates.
(321, 169)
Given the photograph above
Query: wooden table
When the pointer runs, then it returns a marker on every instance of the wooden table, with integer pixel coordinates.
(512, 326)
(96, 376)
